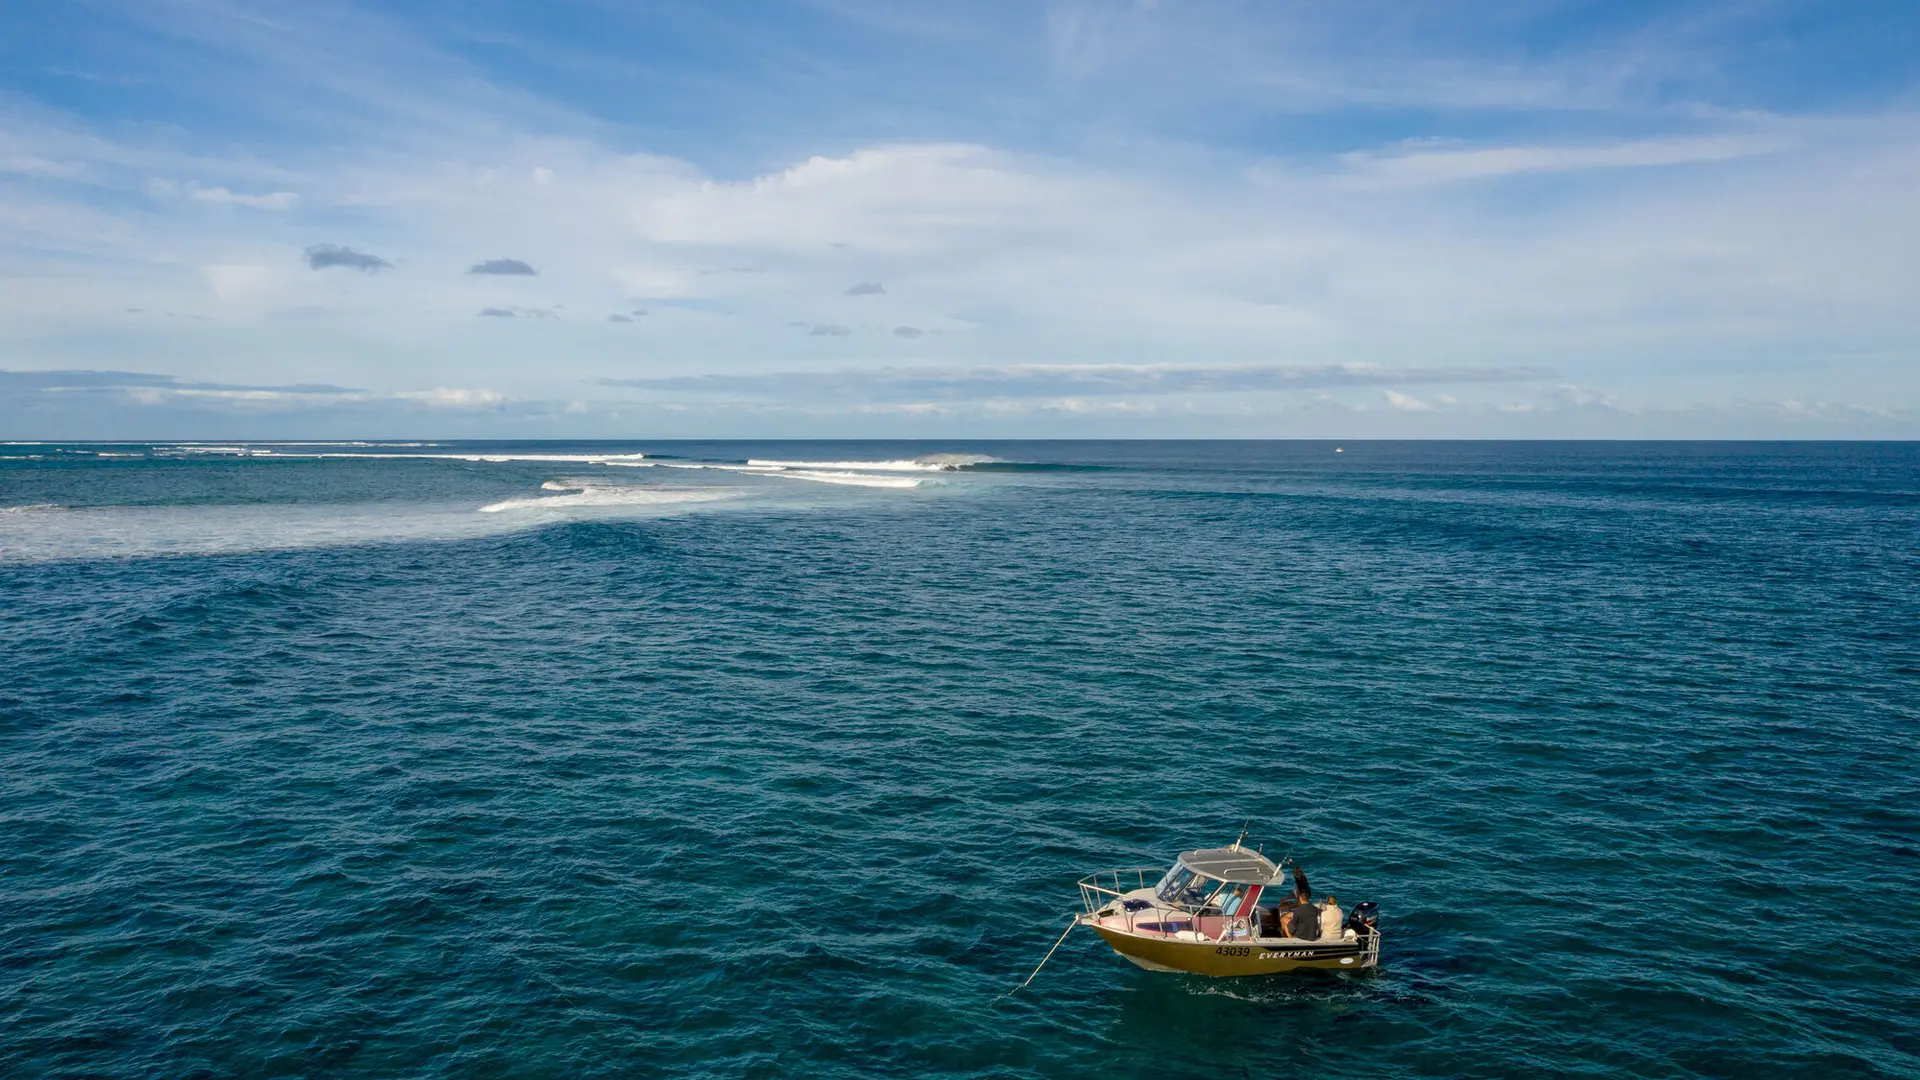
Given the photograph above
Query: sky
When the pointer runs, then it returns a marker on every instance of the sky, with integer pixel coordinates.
(1050, 218)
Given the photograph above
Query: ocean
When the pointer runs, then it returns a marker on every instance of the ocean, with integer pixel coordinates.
(687, 759)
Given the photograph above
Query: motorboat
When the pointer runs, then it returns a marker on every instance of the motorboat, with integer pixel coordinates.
(1226, 911)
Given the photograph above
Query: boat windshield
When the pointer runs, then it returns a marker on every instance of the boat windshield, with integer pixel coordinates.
(1184, 887)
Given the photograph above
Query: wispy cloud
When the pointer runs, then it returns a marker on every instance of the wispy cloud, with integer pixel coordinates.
(1427, 163)
(865, 288)
(147, 389)
(1064, 380)
(272, 200)
(80, 380)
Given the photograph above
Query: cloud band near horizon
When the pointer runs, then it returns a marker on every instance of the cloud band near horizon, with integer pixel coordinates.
(1067, 380)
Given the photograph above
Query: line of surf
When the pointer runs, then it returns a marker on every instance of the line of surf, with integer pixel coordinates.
(572, 459)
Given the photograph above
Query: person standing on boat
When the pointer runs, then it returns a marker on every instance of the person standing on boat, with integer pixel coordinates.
(1332, 920)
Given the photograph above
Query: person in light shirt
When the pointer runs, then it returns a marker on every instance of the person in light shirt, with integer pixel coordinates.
(1332, 920)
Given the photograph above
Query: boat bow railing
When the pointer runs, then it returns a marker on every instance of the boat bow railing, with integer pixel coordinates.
(1097, 889)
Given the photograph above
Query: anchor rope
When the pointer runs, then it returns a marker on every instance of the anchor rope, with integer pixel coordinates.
(1071, 923)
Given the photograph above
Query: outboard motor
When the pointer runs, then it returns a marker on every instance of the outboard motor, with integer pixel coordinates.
(1364, 918)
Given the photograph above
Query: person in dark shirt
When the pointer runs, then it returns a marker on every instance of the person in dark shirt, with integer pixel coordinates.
(1306, 922)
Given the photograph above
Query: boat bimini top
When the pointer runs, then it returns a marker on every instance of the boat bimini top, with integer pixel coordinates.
(1235, 866)
(1216, 877)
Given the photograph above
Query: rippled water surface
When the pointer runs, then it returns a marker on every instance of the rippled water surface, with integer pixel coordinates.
(554, 760)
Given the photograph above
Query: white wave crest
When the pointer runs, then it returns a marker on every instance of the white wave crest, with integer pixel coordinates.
(604, 498)
(929, 463)
(852, 478)
(32, 508)
(958, 461)
(748, 470)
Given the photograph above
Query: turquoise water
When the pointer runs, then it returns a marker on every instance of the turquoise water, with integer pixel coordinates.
(326, 761)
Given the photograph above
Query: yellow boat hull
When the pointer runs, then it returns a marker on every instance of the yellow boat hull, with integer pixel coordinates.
(1227, 959)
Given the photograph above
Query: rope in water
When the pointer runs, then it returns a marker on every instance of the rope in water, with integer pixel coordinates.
(1043, 961)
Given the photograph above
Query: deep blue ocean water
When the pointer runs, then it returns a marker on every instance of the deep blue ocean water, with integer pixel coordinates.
(357, 761)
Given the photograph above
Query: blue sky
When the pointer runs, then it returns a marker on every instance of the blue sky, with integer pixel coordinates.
(1075, 218)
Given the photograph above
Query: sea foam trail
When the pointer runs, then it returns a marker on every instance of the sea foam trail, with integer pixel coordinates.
(602, 497)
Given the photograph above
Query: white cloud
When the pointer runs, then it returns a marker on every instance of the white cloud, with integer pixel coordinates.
(892, 199)
(453, 398)
(273, 200)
